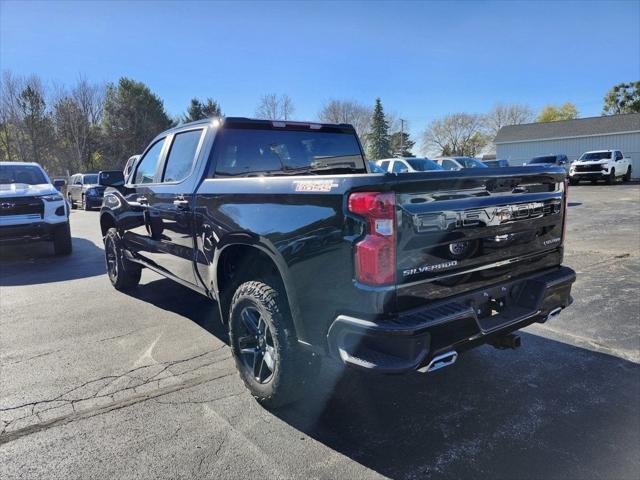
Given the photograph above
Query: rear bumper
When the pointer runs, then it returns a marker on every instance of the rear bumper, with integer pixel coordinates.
(30, 232)
(410, 340)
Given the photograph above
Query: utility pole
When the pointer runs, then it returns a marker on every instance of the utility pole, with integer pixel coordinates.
(401, 137)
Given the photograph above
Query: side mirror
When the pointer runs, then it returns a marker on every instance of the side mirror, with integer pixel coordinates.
(59, 183)
(111, 178)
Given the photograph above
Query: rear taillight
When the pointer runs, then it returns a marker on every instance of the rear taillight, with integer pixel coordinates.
(375, 256)
(565, 204)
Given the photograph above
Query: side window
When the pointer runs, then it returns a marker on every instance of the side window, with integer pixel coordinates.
(449, 165)
(146, 171)
(618, 156)
(78, 180)
(385, 165)
(399, 167)
(181, 156)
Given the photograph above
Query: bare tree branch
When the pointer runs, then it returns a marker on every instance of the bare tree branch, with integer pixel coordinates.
(275, 107)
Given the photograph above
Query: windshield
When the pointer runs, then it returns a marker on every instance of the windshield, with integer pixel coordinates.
(596, 156)
(547, 159)
(423, 164)
(468, 162)
(90, 179)
(27, 174)
(255, 151)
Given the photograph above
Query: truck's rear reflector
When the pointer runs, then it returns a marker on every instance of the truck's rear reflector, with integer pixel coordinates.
(375, 256)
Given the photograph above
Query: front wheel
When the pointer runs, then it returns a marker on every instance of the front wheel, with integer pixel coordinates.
(123, 274)
(264, 344)
(627, 176)
(62, 240)
(612, 177)
(73, 205)
(573, 181)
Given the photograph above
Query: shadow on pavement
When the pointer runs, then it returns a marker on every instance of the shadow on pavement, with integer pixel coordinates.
(548, 410)
(35, 263)
(169, 295)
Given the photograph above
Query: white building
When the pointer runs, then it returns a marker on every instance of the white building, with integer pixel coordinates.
(520, 143)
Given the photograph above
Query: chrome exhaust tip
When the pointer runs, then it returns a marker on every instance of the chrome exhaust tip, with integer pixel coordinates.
(441, 361)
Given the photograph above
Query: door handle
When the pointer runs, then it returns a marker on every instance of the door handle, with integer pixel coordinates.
(143, 201)
(181, 204)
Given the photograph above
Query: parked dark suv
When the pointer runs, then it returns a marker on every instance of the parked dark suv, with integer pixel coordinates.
(549, 160)
(83, 190)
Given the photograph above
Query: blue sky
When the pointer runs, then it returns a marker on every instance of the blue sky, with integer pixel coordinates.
(424, 59)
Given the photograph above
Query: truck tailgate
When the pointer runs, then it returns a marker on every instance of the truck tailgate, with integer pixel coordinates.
(461, 231)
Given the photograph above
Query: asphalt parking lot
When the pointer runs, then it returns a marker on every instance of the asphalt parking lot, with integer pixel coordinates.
(101, 384)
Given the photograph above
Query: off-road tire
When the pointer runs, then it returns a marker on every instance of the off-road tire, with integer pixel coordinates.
(611, 179)
(627, 176)
(123, 274)
(293, 368)
(62, 240)
(71, 202)
(574, 181)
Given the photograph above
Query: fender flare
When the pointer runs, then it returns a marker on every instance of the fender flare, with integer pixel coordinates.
(266, 247)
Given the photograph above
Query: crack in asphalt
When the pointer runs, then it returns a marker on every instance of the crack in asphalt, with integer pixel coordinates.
(100, 397)
(33, 357)
(100, 410)
(120, 336)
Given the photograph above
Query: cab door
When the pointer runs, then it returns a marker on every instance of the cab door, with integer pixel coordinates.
(135, 220)
(170, 206)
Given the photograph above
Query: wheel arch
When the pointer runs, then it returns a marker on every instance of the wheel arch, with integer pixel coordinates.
(107, 221)
(239, 262)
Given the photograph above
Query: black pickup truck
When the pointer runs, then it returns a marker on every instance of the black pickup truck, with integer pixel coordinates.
(310, 255)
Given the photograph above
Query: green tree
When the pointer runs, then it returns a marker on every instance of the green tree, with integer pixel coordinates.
(552, 113)
(133, 115)
(198, 110)
(401, 144)
(379, 145)
(622, 98)
(36, 125)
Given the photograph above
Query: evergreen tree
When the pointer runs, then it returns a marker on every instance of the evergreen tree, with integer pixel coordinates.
(37, 126)
(401, 144)
(378, 140)
(622, 98)
(198, 110)
(133, 115)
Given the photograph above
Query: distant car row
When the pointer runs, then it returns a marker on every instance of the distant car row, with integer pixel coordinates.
(607, 165)
(415, 164)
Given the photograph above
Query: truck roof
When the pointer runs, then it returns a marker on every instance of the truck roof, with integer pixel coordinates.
(245, 122)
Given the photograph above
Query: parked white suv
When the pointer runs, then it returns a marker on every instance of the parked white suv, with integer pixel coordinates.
(31, 208)
(407, 164)
(600, 165)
